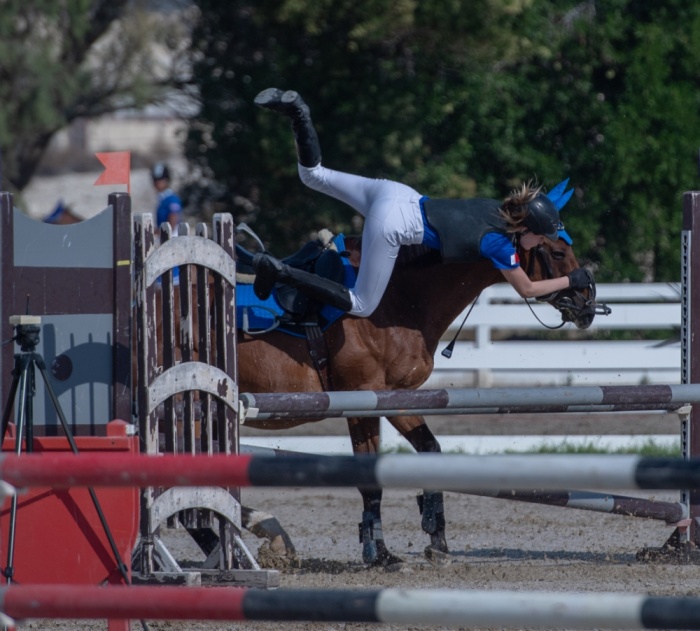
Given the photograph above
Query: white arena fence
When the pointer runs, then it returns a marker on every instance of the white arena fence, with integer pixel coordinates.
(499, 354)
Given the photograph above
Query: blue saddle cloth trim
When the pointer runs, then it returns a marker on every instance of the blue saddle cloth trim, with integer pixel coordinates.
(261, 314)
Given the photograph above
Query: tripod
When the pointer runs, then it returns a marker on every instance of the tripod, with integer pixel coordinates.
(27, 330)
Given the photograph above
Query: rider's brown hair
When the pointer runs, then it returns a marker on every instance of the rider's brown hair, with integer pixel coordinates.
(514, 208)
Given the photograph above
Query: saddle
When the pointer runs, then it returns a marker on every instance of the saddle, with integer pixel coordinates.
(289, 309)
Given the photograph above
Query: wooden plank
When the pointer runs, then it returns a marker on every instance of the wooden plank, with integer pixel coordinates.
(204, 338)
(192, 250)
(122, 301)
(167, 341)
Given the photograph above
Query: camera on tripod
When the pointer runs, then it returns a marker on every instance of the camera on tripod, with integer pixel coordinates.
(27, 330)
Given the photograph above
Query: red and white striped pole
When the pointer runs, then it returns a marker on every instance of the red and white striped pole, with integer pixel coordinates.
(395, 606)
(450, 472)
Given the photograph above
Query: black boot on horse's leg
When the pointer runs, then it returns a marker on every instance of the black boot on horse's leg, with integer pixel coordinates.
(432, 509)
(291, 105)
(367, 533)
(430, 503)
(374, 550)
(268, 271)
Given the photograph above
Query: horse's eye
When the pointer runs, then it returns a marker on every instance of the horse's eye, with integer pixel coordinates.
(558, 255)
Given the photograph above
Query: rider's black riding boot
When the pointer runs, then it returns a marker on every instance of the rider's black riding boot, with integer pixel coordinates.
(291, 105)
(269, 270)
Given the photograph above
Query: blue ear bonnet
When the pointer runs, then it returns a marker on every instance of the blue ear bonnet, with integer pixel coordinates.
(559, 196)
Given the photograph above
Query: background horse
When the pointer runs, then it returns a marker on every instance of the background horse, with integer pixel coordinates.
(394, 349)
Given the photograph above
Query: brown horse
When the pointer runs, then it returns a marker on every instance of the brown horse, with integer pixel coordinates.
(393, 349)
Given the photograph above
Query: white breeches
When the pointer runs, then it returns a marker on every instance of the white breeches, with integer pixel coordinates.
(392, 219)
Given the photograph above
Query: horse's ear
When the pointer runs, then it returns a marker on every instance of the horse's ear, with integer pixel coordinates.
(557, 195)
(557, 191)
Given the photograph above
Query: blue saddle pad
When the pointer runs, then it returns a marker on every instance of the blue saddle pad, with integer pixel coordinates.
(257, 315)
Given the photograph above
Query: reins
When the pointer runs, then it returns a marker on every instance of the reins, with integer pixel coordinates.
(546, 326)
(447, 351)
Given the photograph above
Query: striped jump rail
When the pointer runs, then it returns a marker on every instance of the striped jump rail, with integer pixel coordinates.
(397, 606)
(555, 399)
(450, 472)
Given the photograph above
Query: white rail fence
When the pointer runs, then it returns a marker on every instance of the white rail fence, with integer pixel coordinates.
(497, 353)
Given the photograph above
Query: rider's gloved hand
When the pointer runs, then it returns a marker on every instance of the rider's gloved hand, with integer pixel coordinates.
(580, 278)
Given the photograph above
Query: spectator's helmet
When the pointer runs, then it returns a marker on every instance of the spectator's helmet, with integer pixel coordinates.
(160, 171)
(543, 217)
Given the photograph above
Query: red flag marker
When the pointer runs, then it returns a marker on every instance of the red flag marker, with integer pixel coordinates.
(117, 166)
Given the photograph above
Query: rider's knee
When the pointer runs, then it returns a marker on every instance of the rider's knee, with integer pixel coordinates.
(363, 308)
(313, 177)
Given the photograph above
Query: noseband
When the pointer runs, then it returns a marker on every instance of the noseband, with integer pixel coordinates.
(571, 303)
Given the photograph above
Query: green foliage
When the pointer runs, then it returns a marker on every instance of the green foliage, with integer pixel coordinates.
(459, 98)
(388, 83)
(622, 122)
(650, 449)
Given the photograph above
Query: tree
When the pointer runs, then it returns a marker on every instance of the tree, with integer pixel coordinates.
(460, 99)
(614, 105)
(65, 59)
(387, 82)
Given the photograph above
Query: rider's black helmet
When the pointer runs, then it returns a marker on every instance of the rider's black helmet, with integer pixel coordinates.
(542, 217)
(160, 171)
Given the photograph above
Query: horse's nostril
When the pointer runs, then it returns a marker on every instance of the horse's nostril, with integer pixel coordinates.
(586, 323)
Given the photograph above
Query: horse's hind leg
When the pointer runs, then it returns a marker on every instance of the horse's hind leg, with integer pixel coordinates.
(278, 551)
(364, 434)
(430, 503)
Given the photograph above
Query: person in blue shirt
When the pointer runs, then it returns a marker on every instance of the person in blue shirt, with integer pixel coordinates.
(169, 204)
(396, 215)
(169, 208)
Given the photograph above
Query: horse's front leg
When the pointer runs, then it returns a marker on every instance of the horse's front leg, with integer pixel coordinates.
(364, 434)
(430, 503)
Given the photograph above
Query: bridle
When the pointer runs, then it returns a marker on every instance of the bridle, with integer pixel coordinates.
(571, 303)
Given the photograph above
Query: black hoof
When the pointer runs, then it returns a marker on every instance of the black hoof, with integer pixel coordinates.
(436, 557)
(388, 561)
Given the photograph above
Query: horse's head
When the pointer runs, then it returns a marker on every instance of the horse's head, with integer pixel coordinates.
(555, 259)
(552, 260)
